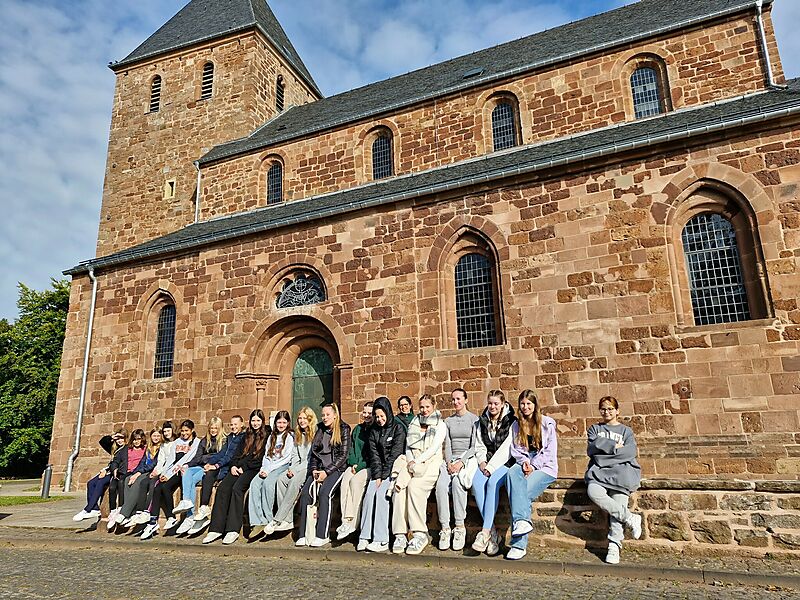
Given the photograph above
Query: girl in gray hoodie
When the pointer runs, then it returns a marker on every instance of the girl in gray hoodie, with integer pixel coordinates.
(613, 474)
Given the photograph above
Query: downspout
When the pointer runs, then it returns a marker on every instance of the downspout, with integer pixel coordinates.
(197, 193)
(762, 35)
(76, 448)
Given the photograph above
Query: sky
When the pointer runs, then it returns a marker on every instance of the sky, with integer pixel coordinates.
(56, 92)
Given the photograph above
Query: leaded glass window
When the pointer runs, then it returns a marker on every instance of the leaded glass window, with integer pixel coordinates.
(165, 342)
(715, 272)
(504, 126)
(275, 183)
(476, 320)
(155, 94)
(648, 97)
(382, 156)
(301, 290)
(207, 85)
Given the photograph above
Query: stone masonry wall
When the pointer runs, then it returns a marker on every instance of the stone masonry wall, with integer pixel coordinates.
(704, 65)
(147, 149)
(586, 289)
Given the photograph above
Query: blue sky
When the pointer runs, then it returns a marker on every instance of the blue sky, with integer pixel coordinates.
(56, 91)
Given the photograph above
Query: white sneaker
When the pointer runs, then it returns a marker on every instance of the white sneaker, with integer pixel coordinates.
(199, 525)
(141, 518)
(319, 542)
(186, 526)
(612, 556)
(127, 522)
(171, 522)
(417, 543)
(204, 512)
(301, 542)
(112, 519)
(230, 537)
(522, 527)
(444, 539)
(400, 544)
(183, 506)
(378, 546)
(459, 538)
(363, 545)
(493, 547)
(212, 536)
(345, 531)
(284, 525)
(516, 553)
(81, 516)
(255, 531)
(269, 528)
(149, 531)
(635, 523)
(481, 541)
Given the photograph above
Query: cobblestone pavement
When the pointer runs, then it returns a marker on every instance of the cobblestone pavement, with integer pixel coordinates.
(146, 572)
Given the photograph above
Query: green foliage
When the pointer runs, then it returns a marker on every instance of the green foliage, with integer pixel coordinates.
(30, 362)
(20, 500)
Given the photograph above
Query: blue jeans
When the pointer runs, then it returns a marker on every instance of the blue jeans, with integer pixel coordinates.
(191, 478)
(522, 491)
(487, 493)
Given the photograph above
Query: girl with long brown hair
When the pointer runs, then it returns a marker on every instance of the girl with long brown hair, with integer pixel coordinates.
(227, 513)
(291, 481)
(535, 454)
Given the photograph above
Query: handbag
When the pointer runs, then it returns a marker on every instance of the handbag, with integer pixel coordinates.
(312, 510)
(467, 472)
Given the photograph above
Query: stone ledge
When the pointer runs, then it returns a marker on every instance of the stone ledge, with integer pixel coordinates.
(735, 485)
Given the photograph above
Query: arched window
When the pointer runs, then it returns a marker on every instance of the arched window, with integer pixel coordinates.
(648, 95)
(207, 84)
(476, 315)
(155, 94)
(280, 93)
(165, 342)
(300, 289)
(382, 156)
(275, 183)
(714, 267)
(504, 126)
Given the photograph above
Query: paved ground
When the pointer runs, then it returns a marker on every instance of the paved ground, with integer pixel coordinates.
(145, 573)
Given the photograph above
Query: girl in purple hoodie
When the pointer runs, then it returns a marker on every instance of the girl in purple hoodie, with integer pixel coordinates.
(534, 448)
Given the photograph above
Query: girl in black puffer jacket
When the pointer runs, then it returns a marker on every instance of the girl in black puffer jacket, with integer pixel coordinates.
(386, 441)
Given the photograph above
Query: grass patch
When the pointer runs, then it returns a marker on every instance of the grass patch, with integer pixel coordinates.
(20, 500)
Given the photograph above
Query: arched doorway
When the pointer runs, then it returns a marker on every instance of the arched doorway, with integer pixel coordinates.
(312, 380)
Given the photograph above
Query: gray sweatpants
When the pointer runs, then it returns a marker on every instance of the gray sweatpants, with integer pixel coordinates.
(446, 486)
(375, 512)
(616, 505)
(288, 491)
(261, 500)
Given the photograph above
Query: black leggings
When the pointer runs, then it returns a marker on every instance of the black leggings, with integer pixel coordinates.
(163, 496)
(227, 514)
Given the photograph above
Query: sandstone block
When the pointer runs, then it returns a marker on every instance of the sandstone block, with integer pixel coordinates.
(651, 501)
(751, 538)
(712, 532)
(745, 502)
(688, 501)
(776, 521)
(668, 526)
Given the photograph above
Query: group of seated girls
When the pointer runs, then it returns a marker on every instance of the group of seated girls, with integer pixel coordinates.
(385, 468)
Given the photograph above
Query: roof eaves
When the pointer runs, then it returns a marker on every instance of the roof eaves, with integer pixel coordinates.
(211, 156)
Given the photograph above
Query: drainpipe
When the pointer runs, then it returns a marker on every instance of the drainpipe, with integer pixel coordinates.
(197, 193)
(76, 448)
(764, 49)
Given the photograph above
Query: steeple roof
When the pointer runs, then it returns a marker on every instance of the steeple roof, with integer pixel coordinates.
(203, 20)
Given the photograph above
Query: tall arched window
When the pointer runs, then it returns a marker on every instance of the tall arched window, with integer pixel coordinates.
(382, 156)
(648, 95)
(275, 183)
(165, 342)
(155, 94)
(714, 267)
(504, 126)
(476, 314)
(207, 84)
(280, 93)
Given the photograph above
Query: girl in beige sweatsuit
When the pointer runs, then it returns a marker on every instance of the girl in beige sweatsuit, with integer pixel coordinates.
(415, 475)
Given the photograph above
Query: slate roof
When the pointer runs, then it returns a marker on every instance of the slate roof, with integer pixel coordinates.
(680, 125)
(203, 20)
(641, 20)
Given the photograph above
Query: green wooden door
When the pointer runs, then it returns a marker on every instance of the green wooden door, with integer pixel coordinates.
(312, 380)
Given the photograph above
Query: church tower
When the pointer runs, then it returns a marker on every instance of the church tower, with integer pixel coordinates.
(214, 72)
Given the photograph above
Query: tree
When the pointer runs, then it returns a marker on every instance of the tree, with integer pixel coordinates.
(30, 362)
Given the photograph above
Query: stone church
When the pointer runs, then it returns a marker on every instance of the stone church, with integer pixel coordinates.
(607, 207)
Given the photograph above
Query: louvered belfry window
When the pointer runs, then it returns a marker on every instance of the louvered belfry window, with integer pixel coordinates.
(504, 126)
(207, 85)
(382, 156)
(275, 183)
(716, 283)
(165, 342)
(648, 97)
(155, 94)
(476, 319)
(280, 93)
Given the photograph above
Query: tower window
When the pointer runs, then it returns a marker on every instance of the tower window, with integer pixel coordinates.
(280, 90)
(155, 94)
(275, 183)
(504, 126)
(207, 85)
(169, 189)
(382, 156)
(648, 97)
